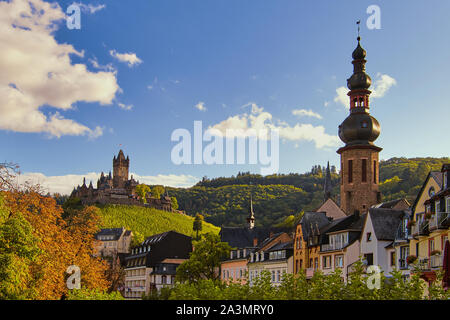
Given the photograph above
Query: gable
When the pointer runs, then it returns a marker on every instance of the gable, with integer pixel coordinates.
(331, 209)
(423, 195)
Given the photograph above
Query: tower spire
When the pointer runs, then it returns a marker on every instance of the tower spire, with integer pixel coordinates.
(251, 215)
(327, 185)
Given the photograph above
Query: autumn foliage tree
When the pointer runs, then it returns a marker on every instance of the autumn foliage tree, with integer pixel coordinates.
(61, 243)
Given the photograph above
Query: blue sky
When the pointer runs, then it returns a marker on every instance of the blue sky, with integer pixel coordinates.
(277, 55)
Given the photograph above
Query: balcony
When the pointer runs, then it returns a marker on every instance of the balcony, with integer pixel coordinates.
(435, 262)
(420, 228)
(439, 220)
(333, 246)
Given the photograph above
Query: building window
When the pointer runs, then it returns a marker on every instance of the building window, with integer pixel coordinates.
(316, 263)
(327, 262)
(392, 258)
(273, 275)
(364, 170)
(369, 258)
(448, 204)
(437, 206)
(369, 236)
(431, 246)
(339, 261)
(374, 171)
(350, 171)
(310, 263)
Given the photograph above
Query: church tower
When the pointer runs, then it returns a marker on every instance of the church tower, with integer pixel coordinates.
(359, 156)
(120, 170)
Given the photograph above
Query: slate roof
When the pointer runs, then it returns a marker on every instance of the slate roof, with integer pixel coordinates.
(312, 222)
(115, 232)
(242, 237)
(389, 204)
(281, 246)
(386, 222)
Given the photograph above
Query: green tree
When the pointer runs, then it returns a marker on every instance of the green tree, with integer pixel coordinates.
(18, 249)
(157, 191)
(198, 224)
(137, 239)
(174, 203)
(141, 191)
(204, 261)
(93, 294)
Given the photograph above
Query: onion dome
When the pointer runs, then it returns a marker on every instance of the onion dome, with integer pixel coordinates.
(359, 79)
(359, 53)
(359, 128)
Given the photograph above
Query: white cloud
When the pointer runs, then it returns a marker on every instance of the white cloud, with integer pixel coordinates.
(65, 184)
(130, 58)
(37, 71)
(306, 113)
(341, 96)
(200, 106)
(260, 120)
(380, 87)
(90, 8)
(125, 107)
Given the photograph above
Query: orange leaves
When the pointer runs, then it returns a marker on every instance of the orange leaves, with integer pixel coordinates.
(63, 243)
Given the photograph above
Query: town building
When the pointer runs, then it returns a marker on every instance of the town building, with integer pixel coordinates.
(274, 255)
(118, 188)
(431, 223)
(382, 228)
(244, 241)
(339, 244)
(111, 242)
(152, 265)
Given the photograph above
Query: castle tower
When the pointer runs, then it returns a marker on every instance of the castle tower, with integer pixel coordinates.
(359, 156)
(251, 215)
(120, 170)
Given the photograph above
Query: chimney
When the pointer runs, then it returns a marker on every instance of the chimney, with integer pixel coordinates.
(271, 234)
(255, 242)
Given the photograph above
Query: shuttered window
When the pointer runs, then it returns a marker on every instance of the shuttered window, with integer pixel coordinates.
(364, 170)
(350, 171)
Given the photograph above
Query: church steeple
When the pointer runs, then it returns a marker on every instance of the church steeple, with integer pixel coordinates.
(359, 155)
(327, 184)
(251, 215)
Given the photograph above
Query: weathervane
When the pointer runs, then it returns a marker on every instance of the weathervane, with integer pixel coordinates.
(358, 23)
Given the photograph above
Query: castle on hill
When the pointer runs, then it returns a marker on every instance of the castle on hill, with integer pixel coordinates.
(118, 189)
